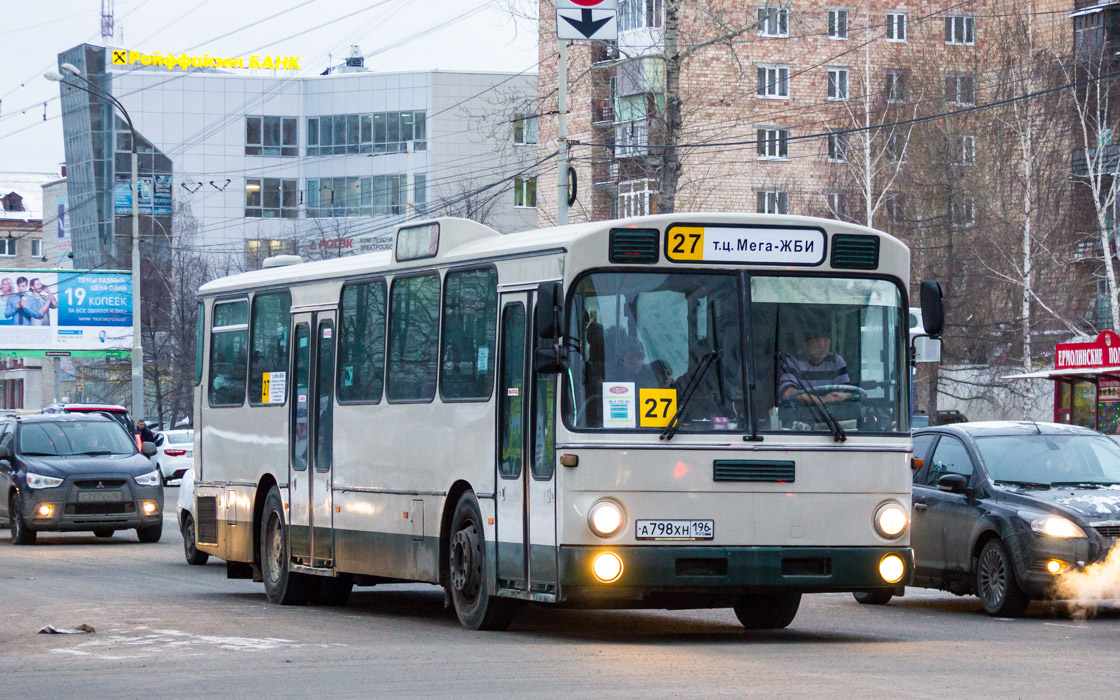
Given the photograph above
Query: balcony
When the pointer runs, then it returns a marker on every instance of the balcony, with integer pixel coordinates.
(1086, 4)
(631, 139)
(1108, 159)
(602, 112)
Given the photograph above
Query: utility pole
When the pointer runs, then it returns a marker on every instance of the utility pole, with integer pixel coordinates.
(562, 139)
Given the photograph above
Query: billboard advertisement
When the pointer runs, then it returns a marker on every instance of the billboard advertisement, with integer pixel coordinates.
(155, 195)
(65, 313)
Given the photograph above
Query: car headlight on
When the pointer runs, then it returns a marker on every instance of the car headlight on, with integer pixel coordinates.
(605, 518)
(891, 520)
(1052, 525)
(152, 478)
(38, 481)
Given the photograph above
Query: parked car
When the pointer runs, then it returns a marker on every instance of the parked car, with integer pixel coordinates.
(185, 506)
(67, 472)
(174, 453)
(118, 413)
(1002, 509)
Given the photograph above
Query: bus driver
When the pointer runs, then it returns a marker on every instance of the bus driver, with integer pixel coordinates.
(817, 367)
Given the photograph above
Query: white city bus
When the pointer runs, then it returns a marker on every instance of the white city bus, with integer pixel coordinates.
(613, 414)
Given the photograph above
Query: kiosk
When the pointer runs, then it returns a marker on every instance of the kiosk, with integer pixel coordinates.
(1086, 380)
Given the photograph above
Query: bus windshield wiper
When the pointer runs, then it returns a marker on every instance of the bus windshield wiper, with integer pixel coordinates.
(838, 433)
(1089, 484)
(686, 396)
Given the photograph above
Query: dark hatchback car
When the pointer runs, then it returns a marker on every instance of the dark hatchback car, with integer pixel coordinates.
(1002, 509)
(67, 472)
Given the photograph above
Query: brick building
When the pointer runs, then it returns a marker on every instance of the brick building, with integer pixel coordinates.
(897, 113)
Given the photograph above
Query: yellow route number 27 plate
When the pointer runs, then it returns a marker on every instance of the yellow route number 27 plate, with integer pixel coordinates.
(752, 245)
(656, 407)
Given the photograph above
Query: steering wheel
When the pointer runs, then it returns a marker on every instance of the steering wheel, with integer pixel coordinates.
(823, 389)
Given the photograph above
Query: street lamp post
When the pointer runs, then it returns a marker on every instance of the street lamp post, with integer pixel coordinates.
(137, 343)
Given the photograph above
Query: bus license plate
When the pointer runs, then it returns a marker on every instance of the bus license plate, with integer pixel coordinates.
(675, 529)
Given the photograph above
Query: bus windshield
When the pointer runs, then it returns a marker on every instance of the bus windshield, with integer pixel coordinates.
(638, 341)
(826, 351)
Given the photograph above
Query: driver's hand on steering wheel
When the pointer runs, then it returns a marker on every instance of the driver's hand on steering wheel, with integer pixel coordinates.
(835, 396)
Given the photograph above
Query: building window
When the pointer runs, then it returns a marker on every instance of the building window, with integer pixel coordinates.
(636, 198)
(630, 138)
(773, 21)
(963, 212)
(960, 29)
(967, 153)
(639, 14)
(896, 26)
(525, 192)
(257, 250)
(36, 247)
(838, 146)
(837, 204)
(268, 340)
(271, 198)
(895, 90)
(773, 202)
(773, 144)
(838, 24)
(773, 81)
(470, 315)
(525, 130)
(7, 247)
(271, 136)
(381, 132)
(959, 90)
(896, 146)
(838, 84)
(379, 195)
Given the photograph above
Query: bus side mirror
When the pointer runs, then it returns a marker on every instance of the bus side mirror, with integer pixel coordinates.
(550, 300)
(550, 357)
(933, 308)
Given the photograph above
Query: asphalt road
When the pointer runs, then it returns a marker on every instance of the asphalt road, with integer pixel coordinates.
(164, 628)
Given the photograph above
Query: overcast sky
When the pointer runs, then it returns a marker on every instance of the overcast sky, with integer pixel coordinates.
(402, 35)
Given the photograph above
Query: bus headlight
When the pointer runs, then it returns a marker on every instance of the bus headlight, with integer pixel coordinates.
(891, 568)
(605, 518)
(607, 567)
(891, 520)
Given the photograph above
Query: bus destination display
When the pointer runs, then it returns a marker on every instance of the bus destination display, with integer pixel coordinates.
(747, 245)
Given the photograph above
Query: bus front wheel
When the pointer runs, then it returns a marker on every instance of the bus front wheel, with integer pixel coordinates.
(767, 611)
(280, 584)
(476, 608)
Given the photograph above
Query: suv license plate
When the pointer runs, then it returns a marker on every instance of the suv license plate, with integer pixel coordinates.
(675, 529)
(99, 497)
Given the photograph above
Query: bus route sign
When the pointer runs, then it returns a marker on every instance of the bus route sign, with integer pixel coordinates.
(753, 245)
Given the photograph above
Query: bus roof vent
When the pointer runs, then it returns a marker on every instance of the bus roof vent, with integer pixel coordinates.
(280, 261)
(855, 252)
(635, 246)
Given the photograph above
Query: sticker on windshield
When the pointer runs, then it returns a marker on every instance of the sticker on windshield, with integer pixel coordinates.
(618, 404)
(656, 407)
(755, 245)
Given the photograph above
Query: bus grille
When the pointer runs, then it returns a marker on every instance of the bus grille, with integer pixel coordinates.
(855, 252)
(754, 470)
(634, 246)
(206, 527)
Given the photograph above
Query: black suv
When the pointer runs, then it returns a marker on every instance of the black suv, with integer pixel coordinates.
(72, 472)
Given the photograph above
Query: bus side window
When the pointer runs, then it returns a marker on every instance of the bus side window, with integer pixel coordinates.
(270, 324)
(470, 310)
(413, 338)
(361, 343)
(229, 345)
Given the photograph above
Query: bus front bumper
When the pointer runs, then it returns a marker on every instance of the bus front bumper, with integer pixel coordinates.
(664, 571)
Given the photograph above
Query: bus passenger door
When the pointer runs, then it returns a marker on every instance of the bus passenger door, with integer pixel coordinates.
(311, 508)
(541, 476)
(299, 512)
(322, 497)
(513, 369)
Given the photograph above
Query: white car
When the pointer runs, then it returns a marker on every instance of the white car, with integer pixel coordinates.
(174, 453)
(185, 506)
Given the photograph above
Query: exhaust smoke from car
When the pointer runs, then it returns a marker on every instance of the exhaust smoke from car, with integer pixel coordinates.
(1086, 588)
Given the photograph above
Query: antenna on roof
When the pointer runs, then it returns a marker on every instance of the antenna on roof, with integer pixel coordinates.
(107, 19)
(1039, 430)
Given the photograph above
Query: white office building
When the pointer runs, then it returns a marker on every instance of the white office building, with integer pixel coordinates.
(243, 164)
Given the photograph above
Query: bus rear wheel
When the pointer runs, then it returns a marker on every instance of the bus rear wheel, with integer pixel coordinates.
(470, 594)
(281, 585)
(767, 611)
